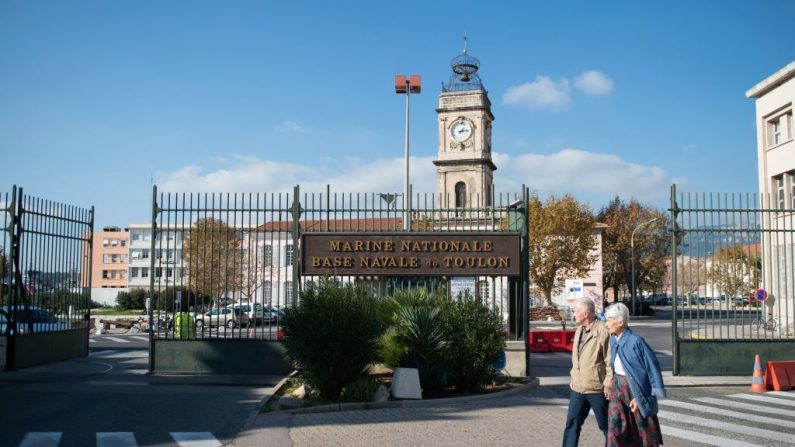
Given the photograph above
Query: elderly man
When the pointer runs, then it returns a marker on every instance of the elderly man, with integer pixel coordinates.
(591, 374)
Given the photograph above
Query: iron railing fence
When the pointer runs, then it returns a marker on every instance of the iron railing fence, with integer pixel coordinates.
(214, 253)
(45, 265)
(732, 267)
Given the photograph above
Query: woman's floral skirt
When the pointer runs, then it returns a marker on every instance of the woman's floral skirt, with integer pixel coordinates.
(626, 429)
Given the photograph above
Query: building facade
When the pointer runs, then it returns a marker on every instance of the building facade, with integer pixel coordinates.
(109, 264)
(774, 98)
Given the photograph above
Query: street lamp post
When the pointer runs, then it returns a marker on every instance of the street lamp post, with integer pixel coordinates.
(632, 260)
(408, 85)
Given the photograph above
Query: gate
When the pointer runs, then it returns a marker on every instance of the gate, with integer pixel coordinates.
(222, 267)
(733, 281)
(45, 266)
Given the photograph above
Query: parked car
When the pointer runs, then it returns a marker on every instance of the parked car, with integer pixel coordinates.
(222, 316)
(29, 320)
(257, 313)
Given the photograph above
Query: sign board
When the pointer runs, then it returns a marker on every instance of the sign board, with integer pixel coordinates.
(574, 289)
(411, 254)
(461, 285)
(761, 294)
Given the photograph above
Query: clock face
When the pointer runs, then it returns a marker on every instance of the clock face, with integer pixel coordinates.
(461, 130)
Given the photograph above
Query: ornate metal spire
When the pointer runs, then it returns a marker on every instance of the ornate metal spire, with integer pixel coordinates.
(465, 69)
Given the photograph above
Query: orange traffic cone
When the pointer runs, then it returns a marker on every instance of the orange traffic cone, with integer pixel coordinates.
(758, 380)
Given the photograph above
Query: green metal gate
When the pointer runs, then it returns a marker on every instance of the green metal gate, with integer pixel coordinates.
(733, 281)
(45, 267)
(212, 254)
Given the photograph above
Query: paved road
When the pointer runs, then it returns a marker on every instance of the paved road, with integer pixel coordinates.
(79, 402)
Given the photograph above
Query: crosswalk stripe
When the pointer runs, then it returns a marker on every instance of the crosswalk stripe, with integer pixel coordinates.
(103, 353)
(664, 352)
(116, 439)
(140, 337)
(789, 394)
(91, 340)
(729, 413)
(117, 339)
(746, 406)
(759, 398)
(41, 439)
(195, 439)
(728, 426)
(702, 438)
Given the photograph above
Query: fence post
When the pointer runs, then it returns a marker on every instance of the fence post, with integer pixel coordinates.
(296, 227)
(674, 285)
(150, 299)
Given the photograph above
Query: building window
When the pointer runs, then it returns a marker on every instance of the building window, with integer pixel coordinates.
(123, 242)
(778, 182)
(267, 292)
(105, 274)
(144, 272)
(288, 293)
(105, 242)
(106, 259)
(114, 242)
(267, 255)
(133, 272)
(289, 255)
(483, 290)
(792, 189)
(774, 132)
(460, 195)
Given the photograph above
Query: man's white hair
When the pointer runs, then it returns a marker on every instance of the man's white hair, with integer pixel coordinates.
(618, 312)
(585, 303)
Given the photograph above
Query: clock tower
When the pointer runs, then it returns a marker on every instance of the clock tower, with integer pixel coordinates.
(464, 170)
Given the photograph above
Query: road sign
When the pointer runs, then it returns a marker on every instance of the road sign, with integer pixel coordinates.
(761, 294)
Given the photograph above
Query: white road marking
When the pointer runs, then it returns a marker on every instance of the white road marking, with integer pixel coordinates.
(41, 439)
(140, 337)
(789, 394)
(702, 438)
(117, 339)
(116, 439)
(721, 412)
(761, 398)
(728, 426)
(746, 406)
(664, 352)
(103, 353)
(195, 439)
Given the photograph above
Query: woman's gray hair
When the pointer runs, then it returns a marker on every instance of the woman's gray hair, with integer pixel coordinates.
(618, 311)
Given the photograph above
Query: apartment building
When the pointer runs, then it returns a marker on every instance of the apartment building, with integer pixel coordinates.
(774, 99)
(109, 264)
(168, 270)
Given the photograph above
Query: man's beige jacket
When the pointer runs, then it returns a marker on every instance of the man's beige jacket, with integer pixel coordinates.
(591, 372)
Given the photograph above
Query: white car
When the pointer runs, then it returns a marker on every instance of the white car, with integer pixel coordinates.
(222, 316)
(30, 321)
(257, 313)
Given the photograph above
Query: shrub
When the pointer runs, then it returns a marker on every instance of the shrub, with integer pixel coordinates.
(332, 335)
(360, 390)
(421, 331)
(476, 339)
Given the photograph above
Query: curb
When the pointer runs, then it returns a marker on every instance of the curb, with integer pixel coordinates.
(409, 403)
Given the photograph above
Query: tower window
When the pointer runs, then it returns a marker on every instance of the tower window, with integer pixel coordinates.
(460, 195)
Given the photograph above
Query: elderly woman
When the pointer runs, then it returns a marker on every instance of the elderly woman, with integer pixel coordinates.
(632, 413)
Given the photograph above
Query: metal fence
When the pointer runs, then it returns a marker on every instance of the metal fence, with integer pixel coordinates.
(45, 265)
(732, 270)
(212, 254)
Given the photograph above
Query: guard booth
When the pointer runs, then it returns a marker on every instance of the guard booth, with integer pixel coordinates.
(255, 252)
(45, 267)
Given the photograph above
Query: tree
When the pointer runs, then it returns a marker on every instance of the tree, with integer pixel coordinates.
(561, 242)
(736, 270)
(4, 264)
(214, 258)
(651, 246)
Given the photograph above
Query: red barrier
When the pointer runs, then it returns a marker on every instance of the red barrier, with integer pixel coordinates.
(539, 341)
(557, 341)
(780, 375)
(570, 340)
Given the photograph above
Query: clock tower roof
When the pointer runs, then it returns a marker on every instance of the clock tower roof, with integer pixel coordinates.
(464, 77)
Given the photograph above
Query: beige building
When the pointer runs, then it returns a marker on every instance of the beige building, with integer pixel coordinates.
(776, 156)
(109, 264)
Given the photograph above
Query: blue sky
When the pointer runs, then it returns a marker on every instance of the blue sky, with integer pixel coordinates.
(97, 99)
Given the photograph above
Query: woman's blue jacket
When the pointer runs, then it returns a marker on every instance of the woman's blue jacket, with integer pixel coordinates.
(642, 368)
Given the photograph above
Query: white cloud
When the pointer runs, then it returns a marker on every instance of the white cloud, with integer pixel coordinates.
(593, 82)
(588, 176)
(292, 127)
(543, 93)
